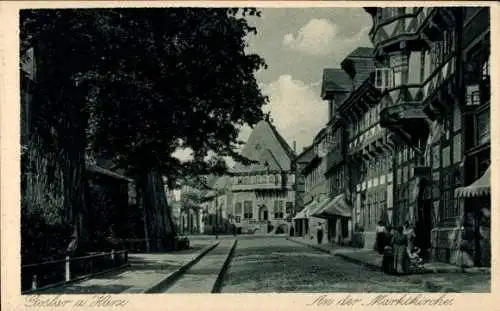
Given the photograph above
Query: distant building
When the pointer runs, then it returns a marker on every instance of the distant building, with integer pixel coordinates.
(190, 209)
(218, 206)
(311, 166)
(263, 196)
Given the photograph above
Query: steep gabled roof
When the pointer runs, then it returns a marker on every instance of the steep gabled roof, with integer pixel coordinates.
(362, 52)
(265, 144)
(335, 80)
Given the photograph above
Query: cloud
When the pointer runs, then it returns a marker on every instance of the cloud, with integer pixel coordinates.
(296, 108)
(320, 37)
(297, 111)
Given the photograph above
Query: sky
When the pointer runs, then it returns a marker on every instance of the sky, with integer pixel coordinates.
(297, 44)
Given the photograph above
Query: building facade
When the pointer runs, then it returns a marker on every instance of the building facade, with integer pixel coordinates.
(433, 73)
(263, 196)
(301, 219)
(217, 206)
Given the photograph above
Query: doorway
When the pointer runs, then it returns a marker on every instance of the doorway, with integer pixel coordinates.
(424, 227)
(263, 213)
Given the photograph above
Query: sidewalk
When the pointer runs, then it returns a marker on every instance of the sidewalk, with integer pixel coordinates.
(203, 277)
(146, 270)
(441, 276)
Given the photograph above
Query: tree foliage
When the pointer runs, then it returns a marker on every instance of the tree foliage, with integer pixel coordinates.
(136, 84)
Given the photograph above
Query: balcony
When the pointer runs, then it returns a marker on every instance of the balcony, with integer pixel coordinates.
(370, 144)
(414, 27)
(406, 118)
(387, 33)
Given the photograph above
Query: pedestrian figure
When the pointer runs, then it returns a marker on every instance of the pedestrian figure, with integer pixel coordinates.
(381, 237)
(409, 233)
(319, 232)
(399, 251)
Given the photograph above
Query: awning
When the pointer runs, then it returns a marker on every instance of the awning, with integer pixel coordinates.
(318, 206)
(481, 187)
(301, 214)
(335, 207)
(305, 212)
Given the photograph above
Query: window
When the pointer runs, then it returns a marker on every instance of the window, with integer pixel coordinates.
(388, 13)
(457, 148)
(483, 127)
(237, 208)
(485, 70)
(422, 66)
(457, 118)
(400, 74)
(278, 209)
(248, 210)
(446, 156)
(289, 207)
(447, 43)
(271, 179)
(436, 159)
(252, 179)
(384, 78)
(436, 54)
(449, 209)
(473, 95)
(246, 180)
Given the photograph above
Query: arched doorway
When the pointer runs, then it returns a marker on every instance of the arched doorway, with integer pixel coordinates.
(263, 213)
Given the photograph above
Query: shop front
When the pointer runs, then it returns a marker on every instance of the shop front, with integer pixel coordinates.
(476, 226)
(338, 214)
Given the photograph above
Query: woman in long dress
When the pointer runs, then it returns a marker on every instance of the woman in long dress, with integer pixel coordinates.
(399, 245)
(409, 233)
(381, 238)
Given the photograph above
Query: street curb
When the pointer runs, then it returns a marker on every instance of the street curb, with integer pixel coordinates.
(220, 277)
(175, 274)
(378, 267)
(311, 246)
(78, 279)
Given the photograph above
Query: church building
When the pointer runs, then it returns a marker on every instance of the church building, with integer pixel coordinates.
(263, 196)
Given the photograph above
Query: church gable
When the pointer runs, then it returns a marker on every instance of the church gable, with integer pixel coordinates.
(265, 144)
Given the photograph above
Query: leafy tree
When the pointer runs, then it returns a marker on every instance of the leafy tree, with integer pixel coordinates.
(67, 45)
(144, 82)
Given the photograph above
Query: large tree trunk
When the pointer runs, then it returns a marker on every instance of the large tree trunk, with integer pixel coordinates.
(159, 225)
(41, 182)
(73, 142)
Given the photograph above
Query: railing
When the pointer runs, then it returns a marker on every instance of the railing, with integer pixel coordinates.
(39, 276)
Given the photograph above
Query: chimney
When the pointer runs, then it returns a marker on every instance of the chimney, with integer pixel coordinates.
(294, 146)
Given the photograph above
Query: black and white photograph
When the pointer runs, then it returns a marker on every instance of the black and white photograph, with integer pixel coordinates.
(254, 149)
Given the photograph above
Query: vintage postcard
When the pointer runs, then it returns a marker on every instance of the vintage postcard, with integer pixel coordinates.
(329, 155)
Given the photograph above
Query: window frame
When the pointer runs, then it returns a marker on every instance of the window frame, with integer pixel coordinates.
(247, 215)
(384, 78)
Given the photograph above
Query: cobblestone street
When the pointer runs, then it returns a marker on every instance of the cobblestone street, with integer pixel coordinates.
(278, 265)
